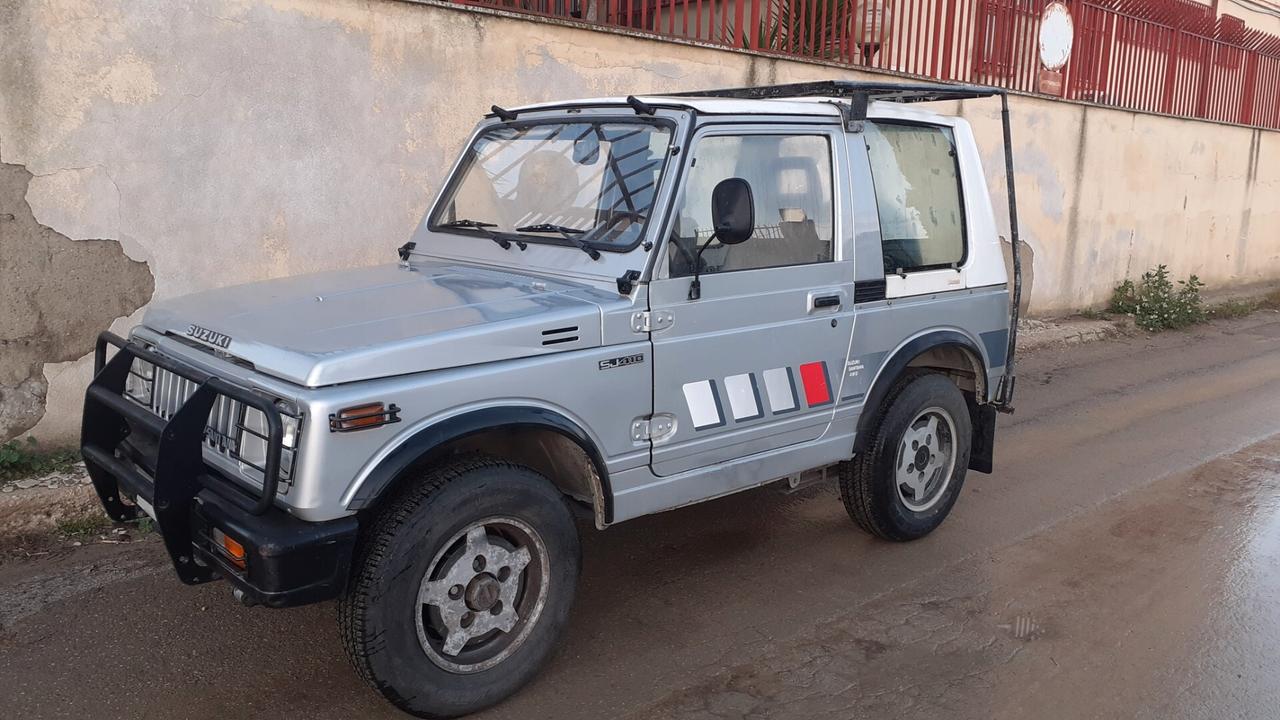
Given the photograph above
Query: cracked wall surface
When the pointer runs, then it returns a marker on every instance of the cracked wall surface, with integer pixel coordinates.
(225, 141)
(57, 295)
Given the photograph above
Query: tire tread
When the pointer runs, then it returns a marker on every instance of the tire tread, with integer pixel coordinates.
(374, 549)
(857, 476)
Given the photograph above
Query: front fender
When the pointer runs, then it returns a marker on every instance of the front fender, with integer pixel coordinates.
(425, 440)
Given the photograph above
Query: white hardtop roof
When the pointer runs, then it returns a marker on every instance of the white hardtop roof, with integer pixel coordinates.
(804, 106)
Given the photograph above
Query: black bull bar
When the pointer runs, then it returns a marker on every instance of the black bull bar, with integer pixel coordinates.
(123, 442)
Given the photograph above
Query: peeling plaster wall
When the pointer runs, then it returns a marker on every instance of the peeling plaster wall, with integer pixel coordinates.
(57, 295)
(222, 141)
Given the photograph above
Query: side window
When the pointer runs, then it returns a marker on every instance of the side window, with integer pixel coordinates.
(917, 183)
(790, 177)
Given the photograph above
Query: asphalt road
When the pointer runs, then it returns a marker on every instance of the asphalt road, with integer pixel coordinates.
(1124, 560)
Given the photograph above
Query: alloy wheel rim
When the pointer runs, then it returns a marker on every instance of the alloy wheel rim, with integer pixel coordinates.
(926, 459)
(482, 594)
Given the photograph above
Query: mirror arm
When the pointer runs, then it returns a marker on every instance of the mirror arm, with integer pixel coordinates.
(695, 287)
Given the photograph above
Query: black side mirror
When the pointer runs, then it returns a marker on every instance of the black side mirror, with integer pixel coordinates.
(733, 218)
(733, 213)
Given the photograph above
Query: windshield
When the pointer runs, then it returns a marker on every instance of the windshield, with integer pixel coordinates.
(590, 184)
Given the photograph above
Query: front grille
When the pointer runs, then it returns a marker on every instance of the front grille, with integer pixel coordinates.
(226, 429)
(221, 434)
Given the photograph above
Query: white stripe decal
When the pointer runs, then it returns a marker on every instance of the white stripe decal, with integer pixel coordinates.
(744, 399)
(704, 405)
(780, 389)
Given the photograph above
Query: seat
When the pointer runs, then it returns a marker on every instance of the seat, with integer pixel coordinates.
(801, 234)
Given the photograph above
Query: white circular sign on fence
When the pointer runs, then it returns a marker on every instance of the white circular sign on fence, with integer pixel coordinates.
(1056, 34)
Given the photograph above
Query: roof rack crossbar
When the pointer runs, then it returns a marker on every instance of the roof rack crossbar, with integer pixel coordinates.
(893, 92)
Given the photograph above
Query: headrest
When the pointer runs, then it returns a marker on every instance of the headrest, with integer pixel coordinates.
(795, 215)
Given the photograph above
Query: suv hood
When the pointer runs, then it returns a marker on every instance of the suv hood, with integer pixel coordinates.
(364, 323)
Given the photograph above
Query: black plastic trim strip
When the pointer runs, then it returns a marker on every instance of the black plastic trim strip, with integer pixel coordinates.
(559, 341)
(865, 291)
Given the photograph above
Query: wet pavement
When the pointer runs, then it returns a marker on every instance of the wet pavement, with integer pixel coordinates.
(1124, 560)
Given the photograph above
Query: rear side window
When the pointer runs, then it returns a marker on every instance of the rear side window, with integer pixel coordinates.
(917, 182)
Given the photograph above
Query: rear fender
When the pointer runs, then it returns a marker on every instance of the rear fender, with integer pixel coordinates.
(981, 413)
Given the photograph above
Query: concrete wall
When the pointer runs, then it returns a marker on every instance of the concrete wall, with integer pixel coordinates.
(209, 142)
(1261, 15)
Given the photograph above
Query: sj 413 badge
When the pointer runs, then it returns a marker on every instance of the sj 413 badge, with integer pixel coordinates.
(623, 361)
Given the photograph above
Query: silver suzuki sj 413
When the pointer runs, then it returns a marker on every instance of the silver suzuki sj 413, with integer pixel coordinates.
(613, 308)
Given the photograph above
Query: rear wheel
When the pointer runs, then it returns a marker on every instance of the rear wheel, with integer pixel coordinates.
(906, 481)
(462, 587)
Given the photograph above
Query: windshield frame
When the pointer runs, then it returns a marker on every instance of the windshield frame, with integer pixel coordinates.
(464, 164)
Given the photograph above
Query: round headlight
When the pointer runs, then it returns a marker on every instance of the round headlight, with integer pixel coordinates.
(140, 380)
(253, 438)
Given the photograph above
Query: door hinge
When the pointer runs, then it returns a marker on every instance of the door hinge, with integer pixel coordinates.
(651, 321)
(655, 428)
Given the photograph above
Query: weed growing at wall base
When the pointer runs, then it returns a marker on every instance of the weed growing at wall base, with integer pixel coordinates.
(1236, 308)
(1232, 309)
(21, 459)
(82, 525)
(1157, 303)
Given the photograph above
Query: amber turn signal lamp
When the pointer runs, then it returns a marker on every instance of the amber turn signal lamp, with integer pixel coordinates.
(230, 547)
(363, 417)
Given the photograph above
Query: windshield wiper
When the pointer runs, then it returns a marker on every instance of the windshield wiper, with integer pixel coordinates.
(548, 227)
(475, 224)
(484, 228)
(568, 233)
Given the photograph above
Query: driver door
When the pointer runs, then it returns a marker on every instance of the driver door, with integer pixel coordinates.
(755, 363)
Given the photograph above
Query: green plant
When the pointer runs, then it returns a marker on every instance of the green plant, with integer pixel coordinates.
(91, 524)
(1157, 303)
(815, 29)
(1271, 301)
(1124, 298)
(25, 458)
(1233, 308)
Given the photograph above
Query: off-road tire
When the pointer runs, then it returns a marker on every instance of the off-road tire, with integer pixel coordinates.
(868, 484)
(376, 614)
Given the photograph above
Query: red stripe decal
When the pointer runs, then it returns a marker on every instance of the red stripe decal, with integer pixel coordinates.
(814, 377)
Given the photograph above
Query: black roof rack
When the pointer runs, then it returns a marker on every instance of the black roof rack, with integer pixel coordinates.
(893, 92)
(857, 93)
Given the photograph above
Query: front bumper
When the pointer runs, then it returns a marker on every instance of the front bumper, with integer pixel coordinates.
(288, 561)
(131, 452)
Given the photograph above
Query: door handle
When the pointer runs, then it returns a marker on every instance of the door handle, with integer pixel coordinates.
(826, 301)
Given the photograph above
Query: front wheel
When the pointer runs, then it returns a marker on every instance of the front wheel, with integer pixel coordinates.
(462, 587)
(906, 481)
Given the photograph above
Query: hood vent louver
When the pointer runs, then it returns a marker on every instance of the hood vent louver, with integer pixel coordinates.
(558, 336)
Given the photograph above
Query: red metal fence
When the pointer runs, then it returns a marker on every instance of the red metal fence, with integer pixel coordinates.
(1169, 56)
